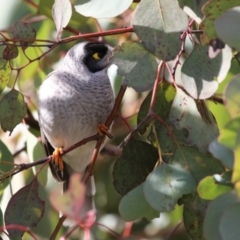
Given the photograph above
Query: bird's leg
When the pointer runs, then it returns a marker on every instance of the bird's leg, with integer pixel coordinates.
(103, 130)
(57, 158)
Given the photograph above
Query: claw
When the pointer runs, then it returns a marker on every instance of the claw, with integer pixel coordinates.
(103, 130)
(57, 158)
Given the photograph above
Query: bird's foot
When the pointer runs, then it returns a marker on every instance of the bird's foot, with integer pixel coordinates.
(103, 130)
(57, 158)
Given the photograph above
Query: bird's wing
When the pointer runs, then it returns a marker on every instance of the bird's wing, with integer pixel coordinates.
(59, 175)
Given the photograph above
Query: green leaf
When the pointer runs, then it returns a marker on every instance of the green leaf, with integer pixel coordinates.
(24, 208)
(136, 65)
(201, 75)
(6, 164)
(10, 52)
(195, 117)
(165, 185)
(197, 163)
(5, 71)
(224, 154)
(193, 216)
(229, 223)
(36, 151)
(158, 24)
(12, 110)
(232, 97)
(214, 214)
(209, 189)
(101, 8)
(136, 162)
(61, 12)
(195, 6)
(134, 206)
(227, 28)
(228, 134)
(24, 33)
(212, 10)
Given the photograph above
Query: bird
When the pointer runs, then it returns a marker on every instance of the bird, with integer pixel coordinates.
(73, 101)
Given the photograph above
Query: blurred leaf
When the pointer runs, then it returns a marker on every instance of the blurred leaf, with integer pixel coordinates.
(226, 30)
(163, 102)
(134, 206)
(136, 65)
(224, 154)
(194, 5)
(229, 223)
(24, 208)
(76, 21)
(5, 71)
(165, 185)
(12, 110)
(24, 33)
(71, 202)
(36, 151)
(228, 134)
(6, 164)
(193, 216)
(101, 8)
(136, 162)
(212, 10)
(214, 214)
(200, 74)
(158, 24)
(10, 52)
(1, 218)
(232, 97)
(61, 12)
(193, 116)
(209, 189)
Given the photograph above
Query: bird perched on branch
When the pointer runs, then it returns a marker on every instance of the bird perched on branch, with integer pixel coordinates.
(73, 101)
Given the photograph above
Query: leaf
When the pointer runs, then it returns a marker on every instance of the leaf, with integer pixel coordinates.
(195, 6)
(5, 71)
(24, 33)
(165, 185)
(158, 24)
(134, 206)
(71, 202)
(186, 113)
(193, 216)
(6, 164)
(232, 98)
(201, 75)
(214, 214)
(229, 223)
(77, 21)
(227, 28)
(131, 169)
(212, 10)
(36, 151)
(197, 163)
(136, 65)
(10, 52)
(24, 208)
(12, 110)
(61, 12)
(224, 154)
(101, 8)
(163, 102)
(208, 189)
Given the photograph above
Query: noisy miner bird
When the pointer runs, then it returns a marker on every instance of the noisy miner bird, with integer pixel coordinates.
(73, 101)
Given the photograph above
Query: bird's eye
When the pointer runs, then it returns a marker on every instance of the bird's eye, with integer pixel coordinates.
(98, 55)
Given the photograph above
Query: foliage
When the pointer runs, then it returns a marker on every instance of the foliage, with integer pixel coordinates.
(177, 128)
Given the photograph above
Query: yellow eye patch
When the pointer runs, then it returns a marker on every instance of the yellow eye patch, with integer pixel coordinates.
(96, 56)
